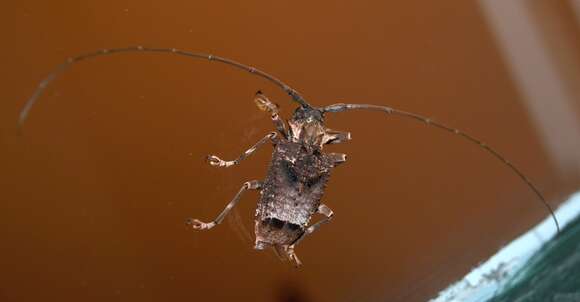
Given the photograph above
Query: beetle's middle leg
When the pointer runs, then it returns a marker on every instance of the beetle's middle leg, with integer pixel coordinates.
(337, 158)
(199, 225)
(216, 161)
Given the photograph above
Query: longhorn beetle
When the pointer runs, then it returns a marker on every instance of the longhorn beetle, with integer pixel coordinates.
(299, 169)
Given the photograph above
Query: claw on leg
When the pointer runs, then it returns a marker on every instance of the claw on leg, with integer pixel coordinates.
(292, 256)
(199, 225)
(265, 104)
(216, 161)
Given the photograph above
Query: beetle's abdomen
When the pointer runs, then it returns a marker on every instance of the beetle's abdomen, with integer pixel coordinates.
(275, 231)
(294, 185)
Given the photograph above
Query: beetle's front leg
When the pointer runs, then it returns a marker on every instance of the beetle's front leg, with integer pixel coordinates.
(216, 161)
(266, 105)
(335, 137)
(199, 225)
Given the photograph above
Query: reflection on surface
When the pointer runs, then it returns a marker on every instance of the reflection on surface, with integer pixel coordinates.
(111, 163)
(537, 43)
(537, 266)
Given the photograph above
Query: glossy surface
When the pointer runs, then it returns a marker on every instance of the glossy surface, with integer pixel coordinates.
(111, 162)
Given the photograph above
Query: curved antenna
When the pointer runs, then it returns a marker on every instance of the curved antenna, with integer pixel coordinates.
(344, 107)
(70, 61)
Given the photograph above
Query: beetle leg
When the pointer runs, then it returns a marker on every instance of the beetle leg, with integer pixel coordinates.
(266, 105)
(199, 225)
(216, 161)
(280, 125)
(322, 209)
(337, 158)
(335, 137)
(292, 256)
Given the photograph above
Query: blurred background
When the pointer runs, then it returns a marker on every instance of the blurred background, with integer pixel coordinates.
(96, 190)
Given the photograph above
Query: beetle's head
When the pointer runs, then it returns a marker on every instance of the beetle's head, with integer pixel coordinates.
(307, 126)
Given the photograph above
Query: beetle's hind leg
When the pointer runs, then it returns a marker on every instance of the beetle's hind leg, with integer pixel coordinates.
(199, 225)
(322, 209)
(266, 105)
(286, 253)
(292, 256)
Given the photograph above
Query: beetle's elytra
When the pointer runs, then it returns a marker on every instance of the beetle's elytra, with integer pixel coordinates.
(299, 169)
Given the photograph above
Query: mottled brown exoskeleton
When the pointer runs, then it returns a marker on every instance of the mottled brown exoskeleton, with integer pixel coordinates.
(299, 170)
(295, 182)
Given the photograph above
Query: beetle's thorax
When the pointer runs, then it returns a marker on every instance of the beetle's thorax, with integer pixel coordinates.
(307, 128)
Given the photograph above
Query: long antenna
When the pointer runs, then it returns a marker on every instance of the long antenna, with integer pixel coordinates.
(344, 107)
(103, 52)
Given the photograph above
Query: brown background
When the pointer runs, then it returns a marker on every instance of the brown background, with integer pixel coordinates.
(95, 193)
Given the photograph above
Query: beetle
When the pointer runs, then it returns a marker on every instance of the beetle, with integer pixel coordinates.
(299, 170)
